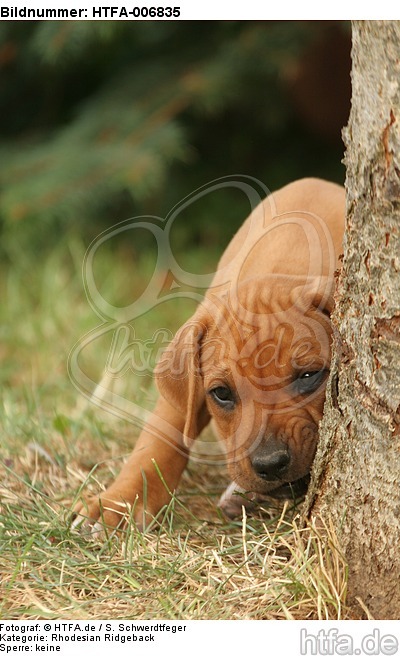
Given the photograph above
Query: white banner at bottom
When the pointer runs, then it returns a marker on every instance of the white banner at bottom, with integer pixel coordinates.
(309, 638)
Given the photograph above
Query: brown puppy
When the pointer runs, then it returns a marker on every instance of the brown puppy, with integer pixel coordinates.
(254, 357)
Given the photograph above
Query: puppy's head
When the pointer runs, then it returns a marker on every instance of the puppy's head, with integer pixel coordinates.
(257, 364)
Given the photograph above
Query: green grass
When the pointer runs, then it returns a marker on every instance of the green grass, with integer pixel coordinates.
(195, 564)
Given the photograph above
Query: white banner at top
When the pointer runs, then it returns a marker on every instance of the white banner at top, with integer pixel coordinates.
(152, 10)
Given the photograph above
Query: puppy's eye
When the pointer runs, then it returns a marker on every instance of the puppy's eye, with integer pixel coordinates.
(309, 381)
(223, 396)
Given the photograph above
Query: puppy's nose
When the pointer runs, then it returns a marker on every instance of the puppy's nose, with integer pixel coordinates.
(270, 465)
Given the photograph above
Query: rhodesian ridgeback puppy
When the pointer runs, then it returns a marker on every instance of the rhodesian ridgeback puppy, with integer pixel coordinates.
(254, 357)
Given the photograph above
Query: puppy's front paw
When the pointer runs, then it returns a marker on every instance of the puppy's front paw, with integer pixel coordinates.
(100, 516)
(232, 501)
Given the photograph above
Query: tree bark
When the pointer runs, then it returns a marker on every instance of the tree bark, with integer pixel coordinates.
(356, 475)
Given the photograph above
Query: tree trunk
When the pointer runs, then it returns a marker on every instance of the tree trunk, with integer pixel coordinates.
(356, 476)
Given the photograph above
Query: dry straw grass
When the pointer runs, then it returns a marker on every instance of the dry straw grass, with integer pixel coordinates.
(194, 565)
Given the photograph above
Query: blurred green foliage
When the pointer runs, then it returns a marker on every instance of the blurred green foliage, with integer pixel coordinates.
(106, 120)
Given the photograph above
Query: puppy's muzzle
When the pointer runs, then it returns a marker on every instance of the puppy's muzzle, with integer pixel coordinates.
(271, 460)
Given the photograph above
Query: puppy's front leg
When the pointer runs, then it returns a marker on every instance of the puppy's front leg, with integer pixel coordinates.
(139, 488)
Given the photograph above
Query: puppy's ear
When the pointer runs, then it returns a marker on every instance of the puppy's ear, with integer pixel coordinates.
(179, 380)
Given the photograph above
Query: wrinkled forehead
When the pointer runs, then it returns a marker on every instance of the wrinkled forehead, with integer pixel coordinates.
(287, 335)
(267, 345)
